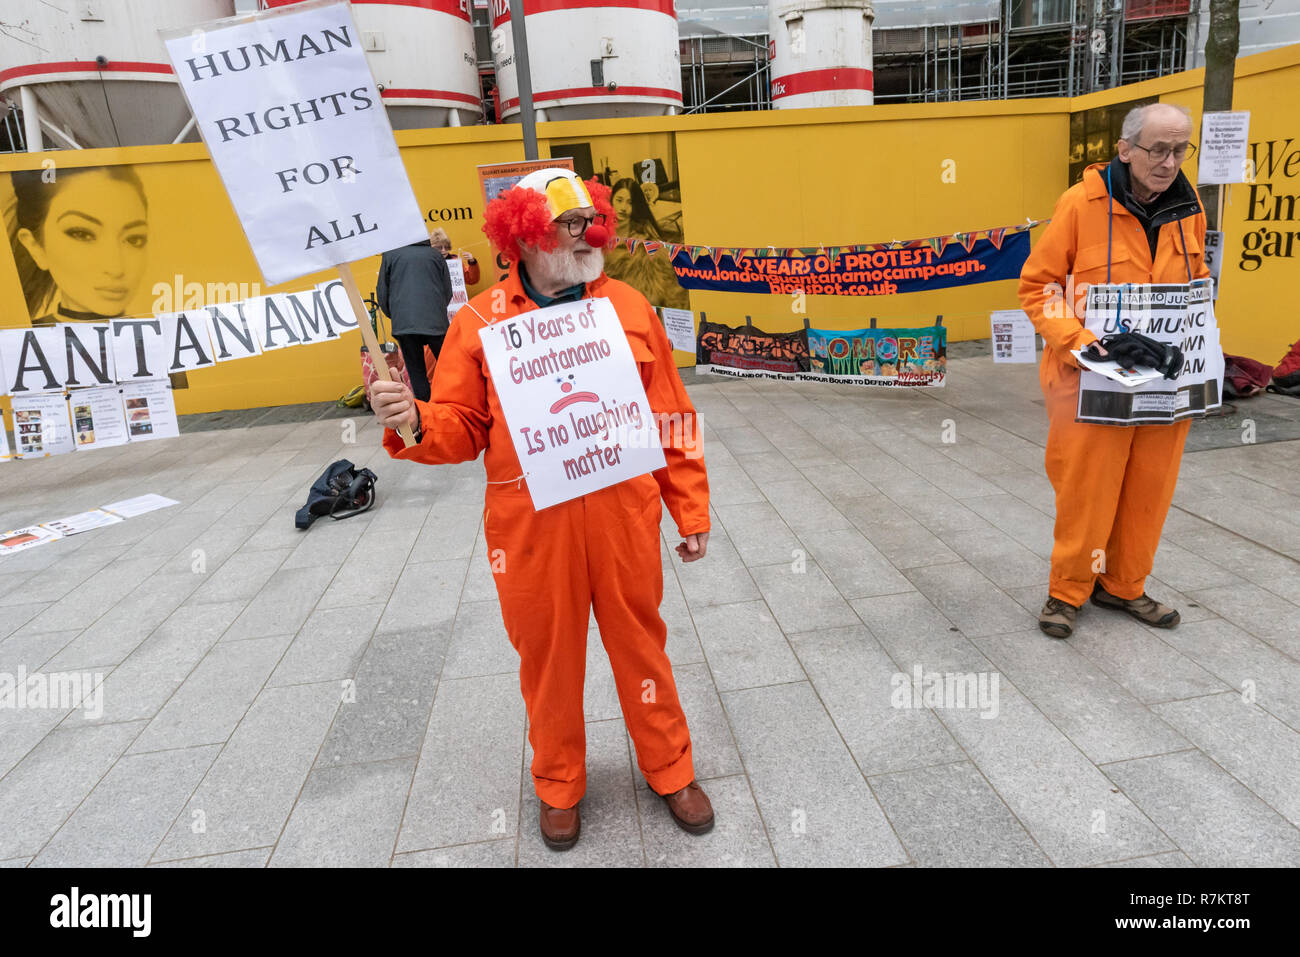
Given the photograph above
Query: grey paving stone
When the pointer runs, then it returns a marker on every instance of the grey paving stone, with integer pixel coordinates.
(21, 729)
(837, 481)
(61, 577)
(450, 532)
(122, 820)
(1207, 812)
(1188, 571)
(81, 606)
(141, 685)
(394, 689)
(855, 680)
(1168, 859)
(713, 750)
(914, 632)
(256, 857)
(803, 506)
(802, 598)
(1060, 797)
(719, 578)
(744, 439)
(241, 576)
(329, 645)
(766, 467)
(1249, 743)
(31, 650)
(759, 534)
(948, 816)
(856, 567)
(611, 831)
(426, 595)
(214, 697)
(326, 543)
(479, 644)
(482, 854)
(813, 799)
(1244, 662)
(250, 790)
(970, 600)
(284, 604)
(466, 786)
(39, 794)
(16, 862)
(904, 541)
(1259, 611)
(1000, 558)
(738, 838)
(346, 817)
(745, 646)
(1017, 519)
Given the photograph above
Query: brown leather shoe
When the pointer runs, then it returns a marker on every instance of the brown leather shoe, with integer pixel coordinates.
(691, 809)
(560, 826)
(1145, 609)
(1057, 618)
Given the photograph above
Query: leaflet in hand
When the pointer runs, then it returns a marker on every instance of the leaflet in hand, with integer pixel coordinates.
(1131, 376)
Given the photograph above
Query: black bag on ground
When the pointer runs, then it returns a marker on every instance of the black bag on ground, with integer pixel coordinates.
(342, 491)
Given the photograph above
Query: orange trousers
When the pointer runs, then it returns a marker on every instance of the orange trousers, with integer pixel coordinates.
(1113, 487)
(552, 569)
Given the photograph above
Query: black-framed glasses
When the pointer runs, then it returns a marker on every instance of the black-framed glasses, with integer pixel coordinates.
(577, 225)
(1161, 153)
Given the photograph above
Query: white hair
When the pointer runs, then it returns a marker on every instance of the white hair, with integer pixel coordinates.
(1137, 118)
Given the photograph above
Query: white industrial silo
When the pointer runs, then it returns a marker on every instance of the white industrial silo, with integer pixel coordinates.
(92, 73)
(423, 58)
(820, 52)
(589, 61)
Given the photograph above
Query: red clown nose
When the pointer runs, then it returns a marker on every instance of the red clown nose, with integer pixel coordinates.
(596, 236)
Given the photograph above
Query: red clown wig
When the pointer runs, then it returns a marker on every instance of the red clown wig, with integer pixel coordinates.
(521, 215)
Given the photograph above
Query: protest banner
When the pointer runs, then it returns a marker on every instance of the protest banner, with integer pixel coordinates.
(293, 120)
(875, 272)
(573, 399)
(1178, 314)
(879, 357)
(749, 351)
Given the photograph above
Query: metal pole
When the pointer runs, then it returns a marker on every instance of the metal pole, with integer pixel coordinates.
(523, 79)
(31, 120)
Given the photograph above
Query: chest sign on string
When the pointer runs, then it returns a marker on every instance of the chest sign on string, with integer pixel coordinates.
(1180, 314)
(573, 400)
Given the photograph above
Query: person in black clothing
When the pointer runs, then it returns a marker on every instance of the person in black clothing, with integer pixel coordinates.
(414, 289)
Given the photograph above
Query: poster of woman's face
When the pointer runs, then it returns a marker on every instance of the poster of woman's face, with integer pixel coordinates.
(641, 172)
(80, 240)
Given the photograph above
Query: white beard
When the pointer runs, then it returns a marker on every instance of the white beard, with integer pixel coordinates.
(561, 268)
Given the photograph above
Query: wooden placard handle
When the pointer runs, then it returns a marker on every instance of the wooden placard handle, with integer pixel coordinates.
(368, 336)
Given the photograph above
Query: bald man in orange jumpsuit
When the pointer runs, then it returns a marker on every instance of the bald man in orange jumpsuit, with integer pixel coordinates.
(597, 552)
(1113, 483)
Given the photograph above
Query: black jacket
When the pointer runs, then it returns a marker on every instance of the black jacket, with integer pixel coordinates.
(1179, 201)
(414, 290)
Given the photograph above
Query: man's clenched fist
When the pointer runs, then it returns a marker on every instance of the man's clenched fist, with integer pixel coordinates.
(394, 404)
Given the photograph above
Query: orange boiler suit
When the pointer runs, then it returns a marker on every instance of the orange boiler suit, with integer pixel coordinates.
(597, 552)
(1113, 483)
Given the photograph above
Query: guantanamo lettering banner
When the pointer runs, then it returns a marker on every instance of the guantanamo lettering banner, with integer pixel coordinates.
(891, 358)
(1179, 314)
(573, 399)
(879, 272)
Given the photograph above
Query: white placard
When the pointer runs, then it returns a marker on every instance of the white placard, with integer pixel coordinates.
(5, 454)
(273, 322)
(231, 332)
(572, 398)
(1013, 336)
(1175, 313)
(150, 411)
(97, 420)
(186, 337)
(82, 522)
(459, 292)
(41, 425)
(140, 349)
(21, 539)
(85, 354)
(300, 136)
(1221, 157)
(680, 326)
(131, 507)
(29, 358)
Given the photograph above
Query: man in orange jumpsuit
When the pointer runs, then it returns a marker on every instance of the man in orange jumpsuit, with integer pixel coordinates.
(1113, 484)
(597, 552)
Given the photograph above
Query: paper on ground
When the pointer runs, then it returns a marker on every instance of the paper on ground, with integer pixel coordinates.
(131, 507)
(82, 522)
(21, 539)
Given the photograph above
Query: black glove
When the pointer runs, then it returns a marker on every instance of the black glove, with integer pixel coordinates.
(1134, 349)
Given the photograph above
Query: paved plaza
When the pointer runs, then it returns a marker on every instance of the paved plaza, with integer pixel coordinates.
(348, 696)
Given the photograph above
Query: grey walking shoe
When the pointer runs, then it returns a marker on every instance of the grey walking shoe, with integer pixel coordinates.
(1145, 609)
(1057, 618)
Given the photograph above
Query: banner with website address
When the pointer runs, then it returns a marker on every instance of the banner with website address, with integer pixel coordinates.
(870, 272)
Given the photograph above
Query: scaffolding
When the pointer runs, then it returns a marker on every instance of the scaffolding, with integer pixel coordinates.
(725, 73)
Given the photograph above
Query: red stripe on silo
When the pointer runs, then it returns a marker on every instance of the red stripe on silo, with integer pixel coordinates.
(456, 8)
(582, 91)
(81, 66)
(401, 94)
(501, 8)
(820, 81)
